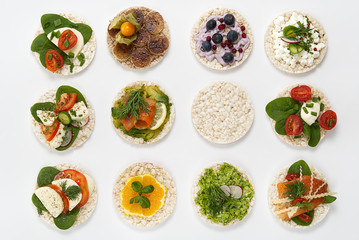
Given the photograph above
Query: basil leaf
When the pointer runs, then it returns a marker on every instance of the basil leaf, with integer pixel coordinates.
(38, 204)
(329, 199)
(295, 168)
(44, 106)
(136, 186)
(136, 199)
(46, 176)
(280, 127)
(68, 89)
(144, 202)
(282, 108)
(66, 221)
(75, 131)
(315, 135)
(306, 129)
(148, 189)
(302, 223)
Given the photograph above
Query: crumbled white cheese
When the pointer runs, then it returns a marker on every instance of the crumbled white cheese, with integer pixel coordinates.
(46, 117)
(69, 182)
(51, 200)
(79, 112)
(310, 113)
(58, 139)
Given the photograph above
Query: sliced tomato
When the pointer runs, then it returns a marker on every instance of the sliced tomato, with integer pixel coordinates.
(293, 125)
(50, 131)
(67, 40)
(53, 60)
(66, 102)
(80, 179)
(63, 197)
(297, 200)
(292, 176)
(305, 217)
(328, 120)
(301, 93)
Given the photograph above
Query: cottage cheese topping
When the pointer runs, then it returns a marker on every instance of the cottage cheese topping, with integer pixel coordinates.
(58, 139)
(46, 117)
(281, 50)
(79, 112)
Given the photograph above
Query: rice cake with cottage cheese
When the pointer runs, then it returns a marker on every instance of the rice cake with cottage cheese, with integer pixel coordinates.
(162, 176)
(222, 112)
(89, 49)
(85, 211)
(277, 50)
(147, 36)
(84, 133)
(240, 21)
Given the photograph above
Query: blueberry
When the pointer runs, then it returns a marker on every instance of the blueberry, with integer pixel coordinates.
(211, 24)
(228, 57)
(232, 36)
(229, 19)
(217, 38)
(206, 46)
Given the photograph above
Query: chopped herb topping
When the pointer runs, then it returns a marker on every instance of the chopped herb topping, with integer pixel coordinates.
(67, 43)
(73, 112)
(69, 34)
(72, 192)
(57, 22)
(295, 189)
(321, 106)
(81, 57)
(82, 62)
(45, 120)
(305, 110)
(72, 67)
(68, 61)
(304, 205)
(314, 114)
(71, 55)
(57, 65)
(49, 56)
(309, 105)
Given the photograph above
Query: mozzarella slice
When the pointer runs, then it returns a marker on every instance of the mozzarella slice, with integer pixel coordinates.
(80, 40)
(51, 200)
(79, 112)
(90, 183)
(58, 139)
(46, 117)
(69, 182)
(311, 113)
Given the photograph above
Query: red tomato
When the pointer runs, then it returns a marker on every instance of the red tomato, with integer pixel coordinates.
(50, 131)
(293, 125)
(80, 179)
(301, 93)
(53, 60)
(67, 40)
(304, 217)
(328, 120)
(62, 195)
(292, 176)
(66, 102)
(297, 200)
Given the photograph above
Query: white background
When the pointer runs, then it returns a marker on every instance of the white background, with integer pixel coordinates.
(183, 152)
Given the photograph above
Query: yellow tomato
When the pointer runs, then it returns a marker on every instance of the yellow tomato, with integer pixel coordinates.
(127, 29)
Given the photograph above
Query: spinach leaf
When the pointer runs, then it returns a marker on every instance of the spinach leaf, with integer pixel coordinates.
(46, 176)
(42, 45)
(280, 126)
(68, 89)
(315, 135)
(302, 223)
(48, 24)
(66, 221)
(44, 106)
(75, 131)
(306, 129)
(282, 108)
(38, 204)
(329, 199)
(295, 168)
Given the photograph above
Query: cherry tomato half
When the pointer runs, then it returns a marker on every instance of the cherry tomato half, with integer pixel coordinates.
(304, 217)
(53, 60)
(328, 120)
(297, 200)
(301, 93)
(293, 125)
(81, 181)
(63, 197)
(67, 40)
(292, 176)
(50, 131)
(66, 102)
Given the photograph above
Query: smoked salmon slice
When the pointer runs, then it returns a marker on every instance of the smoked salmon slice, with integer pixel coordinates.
(145, 120)
(128, 123)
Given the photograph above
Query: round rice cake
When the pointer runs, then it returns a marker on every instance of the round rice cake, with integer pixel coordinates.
(196, 188)
(269, 41)
(215, 64)
(85, 131)
(160, 175)
(167, 127)
(319, 213)
(303, 140)
(85, 211)
(222, 112)
(89, 49)
(142, 49)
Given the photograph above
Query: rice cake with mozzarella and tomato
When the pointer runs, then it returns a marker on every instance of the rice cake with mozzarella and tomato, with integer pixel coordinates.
(154, 58)
(214, 64)
(85, 211)
(85, 131)
(89, 49)
(159, 174)
(196, 188)
(167, 127)
(269, 41)
(303, 141)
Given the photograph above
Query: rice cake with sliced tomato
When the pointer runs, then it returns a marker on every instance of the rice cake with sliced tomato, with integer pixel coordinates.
(85, 131)
(160, 175)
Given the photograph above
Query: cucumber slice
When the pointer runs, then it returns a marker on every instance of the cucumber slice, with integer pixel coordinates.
(295, 48)
(65, 118)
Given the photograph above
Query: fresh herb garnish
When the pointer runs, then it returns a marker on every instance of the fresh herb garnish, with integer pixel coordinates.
(304, 205)
(73, 112)
(49, 56)
(82, 63)
(67, 43)
(216, 199)
(321, 106)
(69, 34)
(72, 192)
(81, 57)
(67, 61)
(144, 201)
(57, 22)
(295, 189)
(71, 55)
(314, 114)
(57, 65)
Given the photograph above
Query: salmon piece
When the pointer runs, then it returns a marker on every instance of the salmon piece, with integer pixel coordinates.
(145, 120)
(128, 123)
(306, 181)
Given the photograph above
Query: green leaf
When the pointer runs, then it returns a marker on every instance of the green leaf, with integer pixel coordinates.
(306, 129)
(136, 186)
(66, 221)
(68, 89)
(282, 108)
(144, 202)
(315, 135)
(295, 168)
(280, 126)
(46, 176)
(148, 189)
(38, 204)
(44, 106)
(75, 131)
(289, 31)
(329, 199)
(302, 223)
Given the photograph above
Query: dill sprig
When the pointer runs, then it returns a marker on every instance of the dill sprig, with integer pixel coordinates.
(71, 192)
(216, 199)
(304, 205)
(295, 189)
